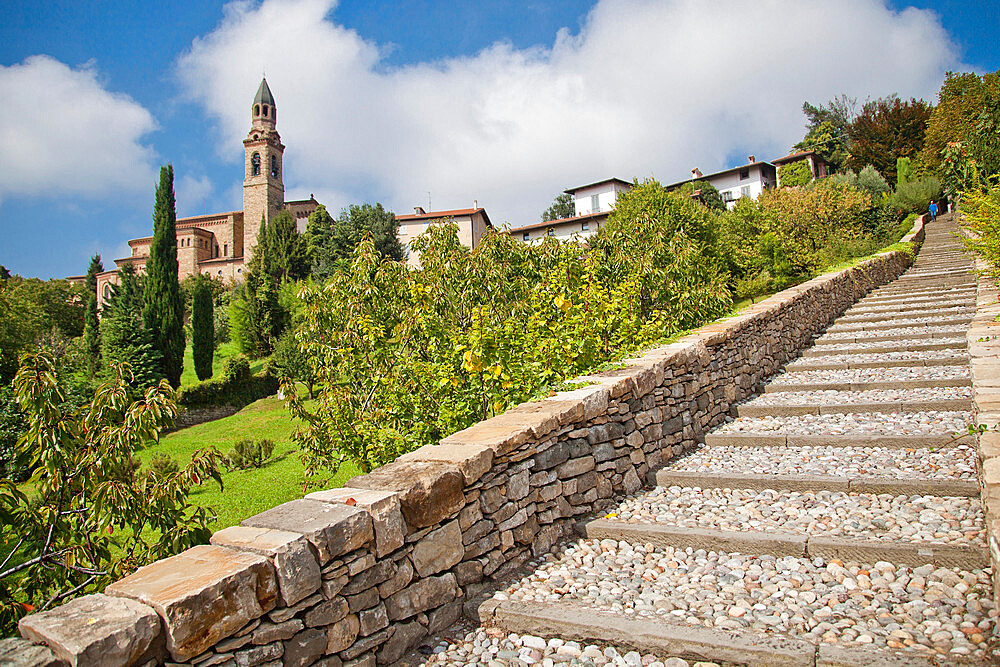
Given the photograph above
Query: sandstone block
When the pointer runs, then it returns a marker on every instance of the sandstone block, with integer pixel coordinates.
(327, 612)
(342, 634)
(268, 632)
(439, 549)
(295, 561)
(372, 620)
(333, 529)
(473, 461)
(259, 655)
(423, 595)
(403, 637)
(400, 580)
(203, 595)
(387, 519)
(97, 630)
(428, 491)
(517, 485)
(575, 467)
(304, 648)
(17, 652)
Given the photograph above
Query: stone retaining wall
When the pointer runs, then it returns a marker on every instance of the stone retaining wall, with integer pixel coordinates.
(193, 416)
(358, 575)
(984, 352)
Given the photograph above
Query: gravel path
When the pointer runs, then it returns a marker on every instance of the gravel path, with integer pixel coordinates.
(898, 423)
(881, 357)
(948, 520)
(491, 648)
(920, 463)
(928, 610)
(834, 397)
(908, 331)
(890, 374)
(954, 342)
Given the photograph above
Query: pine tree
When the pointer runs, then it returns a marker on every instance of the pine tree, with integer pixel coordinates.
(257, 316)
(163, 307)
(202, 327)
(91, 327)
(123, 337)
(285, 249)
(318, 229)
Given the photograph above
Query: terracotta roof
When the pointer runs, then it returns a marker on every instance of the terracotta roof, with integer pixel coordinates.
(590, 185)
(437, 215)
(791, 157)
(561, 221)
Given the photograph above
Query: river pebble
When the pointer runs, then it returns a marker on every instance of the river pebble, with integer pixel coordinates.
(930, 422)
(891, 374)
(836, 397)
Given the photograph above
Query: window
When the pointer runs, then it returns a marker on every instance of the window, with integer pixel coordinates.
(727, 195)
(107, 291)
(584, 226)
(745, 191)
(225, 250)
(274, 166)
(595, 203)
(526, 236)
(255, 164)
(264, 109)
(551, 231)
(744, 173)
(256, 110)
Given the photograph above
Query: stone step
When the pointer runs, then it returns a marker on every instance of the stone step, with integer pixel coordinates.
(894, 486)
(884, 322)
(909, 287)
(816, 601)
(770, 439)
(904, 359)
(779, 543)
(935, 308)
(913, 466)
(918, 332)
(876, 299)
(871, 385)
(887, 407)
(886, 346)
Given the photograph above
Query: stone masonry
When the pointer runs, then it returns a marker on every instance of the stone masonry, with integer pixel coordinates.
(360, 575)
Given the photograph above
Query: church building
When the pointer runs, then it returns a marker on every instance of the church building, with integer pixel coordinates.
(221, 244)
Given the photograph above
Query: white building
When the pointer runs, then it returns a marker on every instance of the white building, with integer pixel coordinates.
(472, 225)
(592, 202)
(748, 180)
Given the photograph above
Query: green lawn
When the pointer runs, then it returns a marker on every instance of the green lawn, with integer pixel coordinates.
(246, 492)
(223, 352)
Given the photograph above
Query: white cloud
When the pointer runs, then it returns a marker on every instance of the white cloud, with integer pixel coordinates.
(646, 87)
(63, 134)
(191, 194)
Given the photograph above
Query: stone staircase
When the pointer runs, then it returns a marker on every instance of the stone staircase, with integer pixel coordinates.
(834, 520)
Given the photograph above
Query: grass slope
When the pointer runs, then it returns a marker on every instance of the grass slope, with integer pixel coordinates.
(246, 492)
(222, 353)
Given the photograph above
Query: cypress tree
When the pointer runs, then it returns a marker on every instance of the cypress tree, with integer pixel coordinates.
(163, 307)
(91, 327)
(202, 327)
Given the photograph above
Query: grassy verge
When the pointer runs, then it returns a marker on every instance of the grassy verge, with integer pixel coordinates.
(246, 492)
(223, 352)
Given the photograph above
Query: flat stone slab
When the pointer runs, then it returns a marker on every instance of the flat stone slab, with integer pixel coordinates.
(789, 409)
(203, 595)
(295, 561)
(577, 622)
(97, 630)
(849, 440)
(334, 529)
(868, 386)
(17, 652)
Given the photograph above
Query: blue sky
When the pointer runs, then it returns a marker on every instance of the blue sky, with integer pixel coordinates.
(507, 103)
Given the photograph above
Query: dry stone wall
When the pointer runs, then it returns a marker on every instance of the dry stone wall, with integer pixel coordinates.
(359, 575)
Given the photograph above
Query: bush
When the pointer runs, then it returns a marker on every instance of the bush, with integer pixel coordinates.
(221, 325)
(15, 464)
(794, 174)
(236, 369)
(162, 466)
(248, 453)
(916, 196)
(222, 392)
(289, 362)
(981, 215)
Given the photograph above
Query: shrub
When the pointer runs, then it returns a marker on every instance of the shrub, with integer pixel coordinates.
(222, 392)
(916, 196)
(162, 466)
(15, 464)
(236, 369)
(981, 215)
(221, 326)
(248, 453)
(795, 173)
(289, 362)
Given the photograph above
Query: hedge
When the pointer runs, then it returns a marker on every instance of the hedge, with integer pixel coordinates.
(216, 392)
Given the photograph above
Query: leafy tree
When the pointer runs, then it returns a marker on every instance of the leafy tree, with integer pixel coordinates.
(981, 214)
(202, 327)
(904, 170)
(354, 224)
(967, 115)
(887, 129)
(562, 207)
(163, 307)
(827, 129)
(91, 518)
(14, 463)
(709, 195)
(289, 362)
(872, 182)
(795, 174)
(826, 141)
(91, 330)
(30, 309)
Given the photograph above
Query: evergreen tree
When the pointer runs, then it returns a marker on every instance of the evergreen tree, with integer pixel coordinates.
(163, 307)
(318, 229)
(285, 248)
(202, 327)
(91, 328)
(256, 316)
(123, 337)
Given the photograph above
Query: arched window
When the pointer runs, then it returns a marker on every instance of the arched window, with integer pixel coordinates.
(107, 291)
(274, 166)
(265, 111)
(256, 110)
(225, 250)
(255, 164)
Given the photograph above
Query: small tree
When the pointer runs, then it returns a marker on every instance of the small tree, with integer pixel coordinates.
(91, 519)
(91, 330)
(163, 307)
(562, 207)
(285, 249)
(123, 337)
(708, 195)
(255, 316)
(289, 362)
(904, 170)
(354, 224)
(872, 182)
(202, 327)
(318, 229)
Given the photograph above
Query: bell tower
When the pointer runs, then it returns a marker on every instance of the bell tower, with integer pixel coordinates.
(263, 190)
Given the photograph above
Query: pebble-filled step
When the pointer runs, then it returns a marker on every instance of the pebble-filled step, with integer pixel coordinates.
(931, 422)
(896, 358)
(871, 375)
(927, 610)
(943, 520)
(957, 462)
(834, 397)
(868, 345)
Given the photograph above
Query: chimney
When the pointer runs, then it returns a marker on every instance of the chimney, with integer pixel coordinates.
(419, 210)
(475, 203)
(752, 159)
(696, 173)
